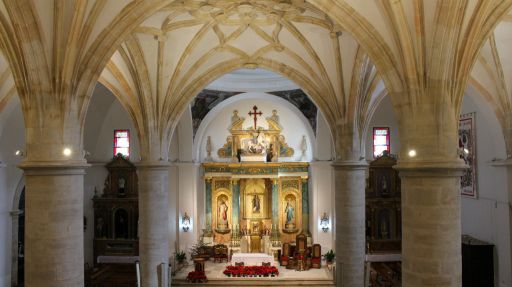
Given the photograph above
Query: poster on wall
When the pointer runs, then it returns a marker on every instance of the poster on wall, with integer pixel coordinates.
(467, 148)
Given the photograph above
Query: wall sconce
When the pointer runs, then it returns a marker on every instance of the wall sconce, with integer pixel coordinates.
(19, 153)
(185, 222)
(324, 222)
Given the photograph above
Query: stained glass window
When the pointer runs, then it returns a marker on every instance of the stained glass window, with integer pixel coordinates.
(122, 142)
(380, 141)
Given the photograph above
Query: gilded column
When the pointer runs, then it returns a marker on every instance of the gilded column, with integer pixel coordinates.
(236, 203)
(208, 201)
(275, 203)
(305, 205)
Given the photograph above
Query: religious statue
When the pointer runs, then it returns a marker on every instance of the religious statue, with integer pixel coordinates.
(209, 149)
(256, 204)
(223, 215)
(120, 185)
(235, 117)
(384, 185)
(274, 116)
(290, 212)
(303, 147)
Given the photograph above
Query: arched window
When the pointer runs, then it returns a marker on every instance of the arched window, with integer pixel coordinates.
(380, 141)
(122, 142)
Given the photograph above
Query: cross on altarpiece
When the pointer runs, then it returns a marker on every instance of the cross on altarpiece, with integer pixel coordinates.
(255, 114)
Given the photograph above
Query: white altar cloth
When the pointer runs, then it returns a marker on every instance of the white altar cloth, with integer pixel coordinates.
(252, 259)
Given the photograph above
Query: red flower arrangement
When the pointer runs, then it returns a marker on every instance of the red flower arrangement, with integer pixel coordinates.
(251, 271)
(197, 277)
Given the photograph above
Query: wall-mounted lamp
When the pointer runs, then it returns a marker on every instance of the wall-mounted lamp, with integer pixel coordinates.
(185, 222)
(19, 153)
(324, 222)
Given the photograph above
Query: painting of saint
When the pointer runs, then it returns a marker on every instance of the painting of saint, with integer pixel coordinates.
(290, 212)
(223, 214)
(256, 204)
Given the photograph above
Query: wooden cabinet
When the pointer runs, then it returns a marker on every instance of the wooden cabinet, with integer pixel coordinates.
(477, 263)
(116, 211)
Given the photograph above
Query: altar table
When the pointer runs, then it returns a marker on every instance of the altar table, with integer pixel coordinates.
(252, 259)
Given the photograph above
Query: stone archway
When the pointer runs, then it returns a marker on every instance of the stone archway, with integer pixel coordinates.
(17, 215)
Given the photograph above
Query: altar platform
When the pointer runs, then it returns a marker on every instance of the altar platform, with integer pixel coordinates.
(287, 277)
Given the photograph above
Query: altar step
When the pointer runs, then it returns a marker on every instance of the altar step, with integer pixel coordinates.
(249, 282)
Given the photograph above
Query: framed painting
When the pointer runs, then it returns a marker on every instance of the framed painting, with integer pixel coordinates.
(467, 152)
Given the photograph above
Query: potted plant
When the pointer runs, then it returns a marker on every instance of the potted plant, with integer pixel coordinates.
(329, 258)
(181, 256)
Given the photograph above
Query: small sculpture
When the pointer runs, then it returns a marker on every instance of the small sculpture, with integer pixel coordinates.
(274, 116)
(235, 117)
(303, 148)
(209, 149)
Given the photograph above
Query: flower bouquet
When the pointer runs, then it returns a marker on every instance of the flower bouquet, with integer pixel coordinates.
(197, 277)
(251, 271)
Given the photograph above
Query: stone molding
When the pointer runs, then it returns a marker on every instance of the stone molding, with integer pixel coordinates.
(349, 164)
(453, 168)
(54, 167)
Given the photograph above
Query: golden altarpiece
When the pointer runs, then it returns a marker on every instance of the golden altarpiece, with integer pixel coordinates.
(254, 199)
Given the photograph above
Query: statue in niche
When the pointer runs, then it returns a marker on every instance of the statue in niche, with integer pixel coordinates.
(384, 185)
(256, 204)
(383, 225)
(290, 212)
(223, 215)
(121, 224)
(121, 186)
(99, 227)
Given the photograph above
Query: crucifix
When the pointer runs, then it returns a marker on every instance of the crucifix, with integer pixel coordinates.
(255, 114)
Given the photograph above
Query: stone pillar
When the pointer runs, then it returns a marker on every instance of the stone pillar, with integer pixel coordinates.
(153, 221)
(208, 201)
(275, 203)
(431, 230)
(236, 203)
(305, 205)
(54, 237)
(350, 222)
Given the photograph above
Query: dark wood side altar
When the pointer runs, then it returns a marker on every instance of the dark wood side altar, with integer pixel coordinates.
(383, 207)
(116, 212)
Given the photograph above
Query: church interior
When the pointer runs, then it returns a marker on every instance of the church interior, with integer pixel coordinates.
(255, 143)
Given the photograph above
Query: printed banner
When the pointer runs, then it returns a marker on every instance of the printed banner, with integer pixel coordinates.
(467, 147)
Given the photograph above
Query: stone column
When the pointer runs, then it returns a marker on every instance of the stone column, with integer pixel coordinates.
(236, 203)
(431, 231)
(54, 237)
(153, 221)
(350, 222)
(275, 203)
(208, 201)
(305, 205)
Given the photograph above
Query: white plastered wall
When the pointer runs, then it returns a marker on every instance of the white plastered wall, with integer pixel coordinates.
(12, 138)
(486, 217)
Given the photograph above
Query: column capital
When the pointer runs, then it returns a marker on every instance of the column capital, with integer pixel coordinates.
(235, 180)
(349, 164)
(154, 165)
(275, 181)
(57, 167)
(208, 178)
(449, 168)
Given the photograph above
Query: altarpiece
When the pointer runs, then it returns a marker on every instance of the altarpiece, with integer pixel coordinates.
(255, 194)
